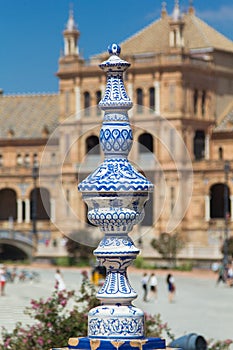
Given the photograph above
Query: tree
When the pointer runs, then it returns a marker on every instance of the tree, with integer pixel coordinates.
(168, 245)
(76, 250)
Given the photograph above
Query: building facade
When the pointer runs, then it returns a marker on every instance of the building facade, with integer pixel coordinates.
(181, 84)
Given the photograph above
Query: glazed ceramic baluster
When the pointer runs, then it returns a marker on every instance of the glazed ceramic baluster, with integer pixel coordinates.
(115, 194)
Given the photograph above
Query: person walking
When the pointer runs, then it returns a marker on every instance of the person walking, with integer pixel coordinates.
(2, 279)
(153, 286)
(230, 275)
(59, 282)
(144, 281)
(221, 274)
(171, 287)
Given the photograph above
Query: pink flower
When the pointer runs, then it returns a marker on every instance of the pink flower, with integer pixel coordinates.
(7, 342)
(63, 302)
(40, 341)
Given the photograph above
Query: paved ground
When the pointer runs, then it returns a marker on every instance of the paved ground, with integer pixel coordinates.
(199, 306)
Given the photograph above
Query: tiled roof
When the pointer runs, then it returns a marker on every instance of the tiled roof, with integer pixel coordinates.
(28, 116)
(155, 37)
(199, 34)
(226, 124)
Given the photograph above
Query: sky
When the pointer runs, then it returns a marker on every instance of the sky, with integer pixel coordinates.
(31, 33)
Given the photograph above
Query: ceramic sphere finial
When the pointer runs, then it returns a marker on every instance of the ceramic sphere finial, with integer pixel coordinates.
(114, 49)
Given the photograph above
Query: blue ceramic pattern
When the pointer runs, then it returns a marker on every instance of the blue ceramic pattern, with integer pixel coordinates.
(115, 175)
(116, 327)
(115, 194)
(117, 285)
(114, 49)
(116, 139)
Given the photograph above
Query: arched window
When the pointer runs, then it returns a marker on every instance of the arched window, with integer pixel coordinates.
(35, 158)
(172, 198)
(19, 159)
(195, 99)
(175, 37)
(203, 103)
(139, 100)
(23, 210)
(220, 153)
(172, 102)
(152, 98)
(27, 159)
(8, 205)
(98, 99)
(146, 143)
(87, 103)
(67, 202)
(53, 158)
(220, 204)
(92, 145)
(40, 204)
(199, 145)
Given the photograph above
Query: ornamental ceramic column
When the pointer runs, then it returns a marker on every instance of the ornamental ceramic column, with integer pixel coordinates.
(116, 194)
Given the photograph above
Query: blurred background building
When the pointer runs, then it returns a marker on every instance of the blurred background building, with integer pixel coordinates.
(181, 84)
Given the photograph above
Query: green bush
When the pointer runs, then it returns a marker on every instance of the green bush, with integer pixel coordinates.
(186, 266)
(62, 261)
(70, 261)
(140, 263)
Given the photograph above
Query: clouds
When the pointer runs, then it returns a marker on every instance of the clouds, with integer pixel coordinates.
(220, 15)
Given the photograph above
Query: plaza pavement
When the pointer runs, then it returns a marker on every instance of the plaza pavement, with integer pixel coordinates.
(199, 305)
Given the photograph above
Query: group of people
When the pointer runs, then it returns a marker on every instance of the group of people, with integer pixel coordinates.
(150, 286)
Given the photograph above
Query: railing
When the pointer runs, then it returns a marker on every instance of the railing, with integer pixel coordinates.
(17, 236)
(151, 58)
(162, 59)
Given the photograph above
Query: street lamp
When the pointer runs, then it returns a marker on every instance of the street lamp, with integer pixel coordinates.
(226, 213)
(35, 175)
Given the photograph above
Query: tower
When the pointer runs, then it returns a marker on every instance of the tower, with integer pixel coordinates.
(70, 64)
(71, 35)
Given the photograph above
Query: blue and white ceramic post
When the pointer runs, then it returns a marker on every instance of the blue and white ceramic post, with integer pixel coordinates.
(116, 194)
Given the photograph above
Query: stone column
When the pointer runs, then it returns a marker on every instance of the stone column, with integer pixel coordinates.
(19, 211)
(207, 208)
(207, 147)
(231, 198)
(52, 210)
(27, 210)
(77, 102)
(157, 97)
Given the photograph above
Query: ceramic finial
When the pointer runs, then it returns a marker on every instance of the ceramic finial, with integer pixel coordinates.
(114, 49)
